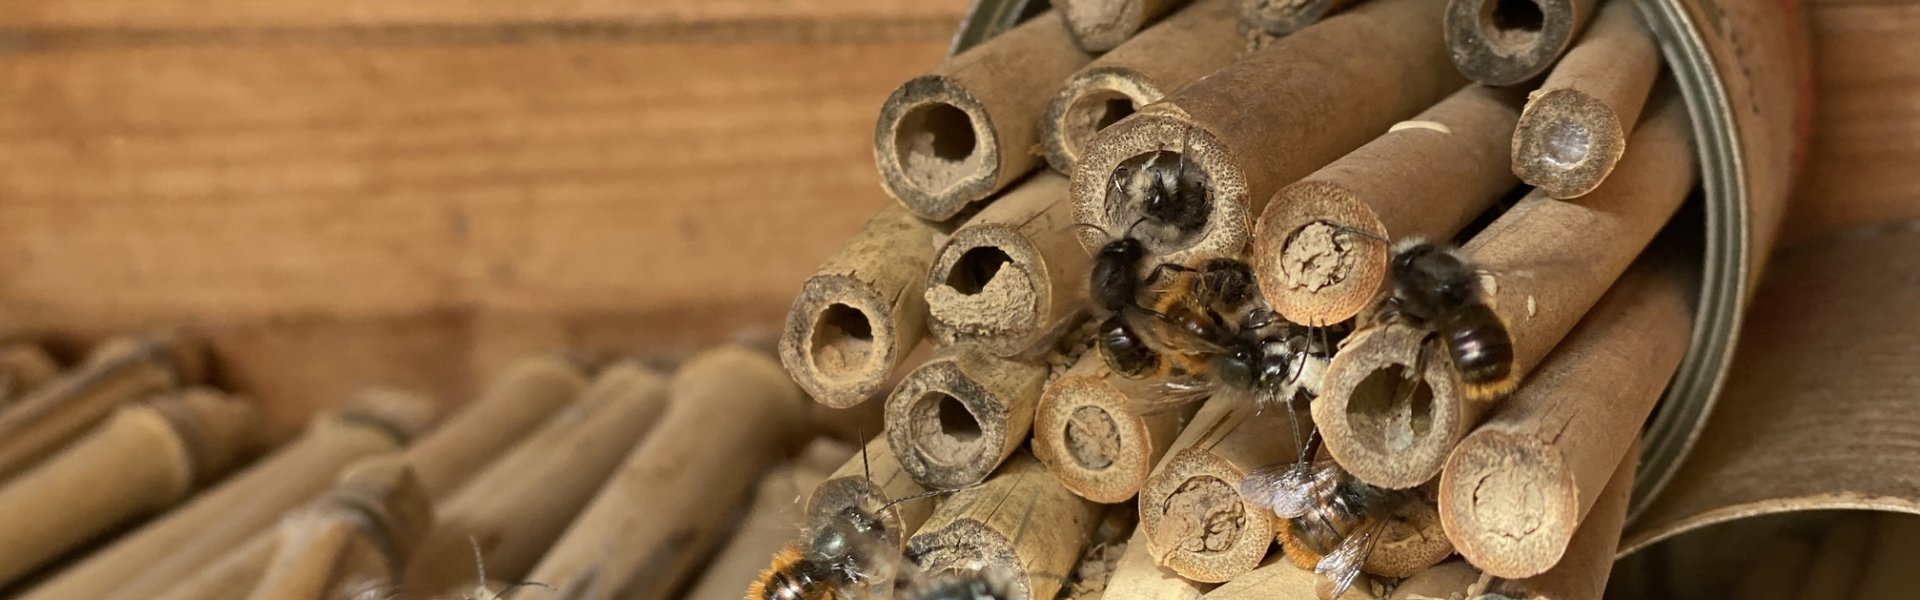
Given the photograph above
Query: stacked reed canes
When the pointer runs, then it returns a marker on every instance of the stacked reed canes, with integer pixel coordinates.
(1315, 296)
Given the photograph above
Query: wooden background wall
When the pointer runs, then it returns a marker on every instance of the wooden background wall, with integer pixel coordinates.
(348, 192)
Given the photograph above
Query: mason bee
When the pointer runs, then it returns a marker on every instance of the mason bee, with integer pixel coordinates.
(1332, 520)
(848, 557)
(1433, 287)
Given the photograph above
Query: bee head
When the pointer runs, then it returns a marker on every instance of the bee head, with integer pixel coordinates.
(1237, 368)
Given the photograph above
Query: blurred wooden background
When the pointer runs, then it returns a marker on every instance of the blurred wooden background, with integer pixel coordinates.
(413, 193)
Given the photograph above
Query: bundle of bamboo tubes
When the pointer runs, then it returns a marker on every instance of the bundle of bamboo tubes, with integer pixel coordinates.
(1461, 306)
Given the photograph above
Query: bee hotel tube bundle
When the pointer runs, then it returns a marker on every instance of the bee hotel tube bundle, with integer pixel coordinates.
(1507, 42)
(143, 459)
(1006, 279)
(152, 559)
(862, 313)
(1191, 43)
(355, 538)
(1269, 118)
(1089, 434)
(1555, 442)
(668, 503)
(516, 401)
(871, 481)
(1102, 25)
(1427, 177)
(955, 136)
(521, 503)
(1575, 127)
(1020, 522)
(1548, 261)
(119, 371)
(958, 416)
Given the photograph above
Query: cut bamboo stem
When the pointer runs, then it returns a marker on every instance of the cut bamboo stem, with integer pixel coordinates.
(1547, 262)
(1139, 577)
(145, 458)
(121, 371)
(1021, 523)
(24, 367)
(1273, 18)
(668, 505)
(1446, 581)
(517, 401)
(353, 540)
(1101, 25)
(1266, 120)
(233, 575)
(862, 313)
(1582, 573)
(1006, 280)
(1575, 127)
(772, 521)
(870, 482)
(1514, 490)
(1427, 177)
(959, 415)
(1193, 42)
(519, 505)
(148, 561)
(1507, 42)
(1191, 509)
(955, 136)
(1089, 433)
(1280, 578)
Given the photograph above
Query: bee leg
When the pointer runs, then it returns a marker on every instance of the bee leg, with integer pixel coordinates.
(1154, 275)
(1258, 318)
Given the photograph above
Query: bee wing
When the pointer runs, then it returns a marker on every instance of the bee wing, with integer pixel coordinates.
(1289, 490)
(1341, 568)
(1155, 395)
(1162, 335)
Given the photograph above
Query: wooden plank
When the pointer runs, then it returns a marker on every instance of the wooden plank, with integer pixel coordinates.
(1867, 125)
(205, 15)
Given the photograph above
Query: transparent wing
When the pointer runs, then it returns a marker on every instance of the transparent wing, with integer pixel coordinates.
(1293, 489)
(1154, 395)
(1163, 335)
(1341, 568)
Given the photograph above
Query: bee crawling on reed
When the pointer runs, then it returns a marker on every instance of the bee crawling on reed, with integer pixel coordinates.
(1434, 287)
(847, 557)
(1332, 520)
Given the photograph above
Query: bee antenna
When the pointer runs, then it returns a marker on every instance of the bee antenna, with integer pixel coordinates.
(1136, 223)
(1102, 230)
(1358, 231)
(926, 494)
(479, 564)
(866, 469)
(503, 591)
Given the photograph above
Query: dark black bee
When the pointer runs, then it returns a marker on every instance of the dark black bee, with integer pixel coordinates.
(1433, 287)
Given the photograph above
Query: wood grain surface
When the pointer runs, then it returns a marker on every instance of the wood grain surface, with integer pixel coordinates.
(416, 193)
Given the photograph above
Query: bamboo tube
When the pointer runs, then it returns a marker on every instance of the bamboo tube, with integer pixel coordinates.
(1427, 177)
(1189, 44)
(1507, 42)
(871, 480)
(667, 505)
(959, 415)
(1267, 120)
(1087, 431)
(521, 503)
(1191, 509)
(233, 575)
(516, 401)
(24, 367)
(1021, 522)
(1582, 573)
(143, 459)
(1280, 578)
(1101, 25)
(1514, 490)
(956, 135)
(1549, 262)
(1574, 129)
(860, 315)
(1823, 375)
(120, 371)
(1274, 18)
(772, 521)
(1139, 577)
(1449, 580)
(353, 539)
(1006, 280)
(152, 559)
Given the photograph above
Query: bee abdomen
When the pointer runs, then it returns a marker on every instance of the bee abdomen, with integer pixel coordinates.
(1481, 349)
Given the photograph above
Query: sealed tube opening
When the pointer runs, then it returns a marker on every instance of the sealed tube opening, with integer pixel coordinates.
(842, 341)
(1567, 144)
(1203, 516)
(976, 268)
(1092, 438)
(1391, 409)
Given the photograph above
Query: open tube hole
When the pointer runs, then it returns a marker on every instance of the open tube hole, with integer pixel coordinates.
(945, 430)
(1092, 112)
(842, 341)
(1393, 407)
(976, 268)
(1512, 26)
(936, 145)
